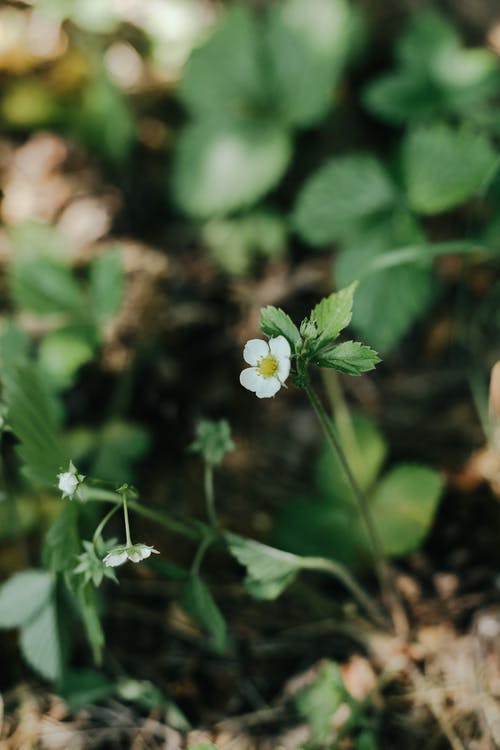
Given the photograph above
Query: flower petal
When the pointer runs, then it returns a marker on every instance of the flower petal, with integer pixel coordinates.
(114, 559)
(283, 369)
(135, 556)
(267, 387)
(280, 347)
(250, 379)
(254, 350)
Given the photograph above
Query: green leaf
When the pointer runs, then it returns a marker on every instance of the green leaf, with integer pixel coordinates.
(343, 192)
(14, 345)
(351, 357)
(62, 542)
(33, 240)
(63, 352)
(404, 505)
(200, 604)
(40, 644)
(119, 446)
(269, 570)
(443, 167)
(366, 741)
(436, 77)
(83, 687)
(467, 77)
(365, 449)
(236, 243)
(388, 301)
(103, 120)
(169, 569)
(203, 746)
(427, 37)
(327, 524)
(403, 97)
(87, 600)
(106, 285)
(46, 287)
(34, 418)
(214, 87)
(318, 702)
(317, 526)
(307, 44)
(275, 322)
(221, 167)
(23, 595)
(268, 590)
(213, 441)
(333, 314)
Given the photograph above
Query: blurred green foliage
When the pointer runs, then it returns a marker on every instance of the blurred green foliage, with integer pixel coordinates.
(403, 502)
(277, 140)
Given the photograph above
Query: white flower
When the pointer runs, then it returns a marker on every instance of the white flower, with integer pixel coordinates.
(270, 366)
(135, 553)
(69, 481)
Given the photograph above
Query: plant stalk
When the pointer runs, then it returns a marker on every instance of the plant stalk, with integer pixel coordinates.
(125, 516)
(340, 572)
(102, 524)
(382, 569)
(210, 494)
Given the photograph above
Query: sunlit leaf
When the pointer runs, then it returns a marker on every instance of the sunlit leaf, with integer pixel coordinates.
(23, 596)
(308, 42)
(63, 352)
(34, 239)
(226, 76)
(317, 703)
(219, 168)
(40, 642)
(269, 570)
(45, 286)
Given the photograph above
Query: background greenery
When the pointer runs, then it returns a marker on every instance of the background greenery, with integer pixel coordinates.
(169, 167)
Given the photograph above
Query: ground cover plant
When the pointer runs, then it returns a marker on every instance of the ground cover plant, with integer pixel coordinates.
(249, 405)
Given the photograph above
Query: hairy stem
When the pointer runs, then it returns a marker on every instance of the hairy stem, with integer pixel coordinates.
(383, 571)
(210, 494)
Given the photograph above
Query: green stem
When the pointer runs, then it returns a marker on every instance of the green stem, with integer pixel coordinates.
(340, 572)
(172, 524)
(102, 524)
(160, 517)
(382, 569)
(125, 516)
(200, 554)
(210, 494)
(342, 417)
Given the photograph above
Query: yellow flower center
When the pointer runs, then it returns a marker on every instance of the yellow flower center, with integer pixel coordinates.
(268, 366)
